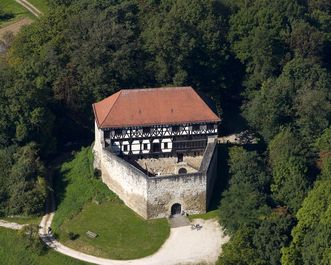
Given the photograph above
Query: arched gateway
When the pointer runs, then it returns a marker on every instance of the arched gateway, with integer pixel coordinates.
(176, 209)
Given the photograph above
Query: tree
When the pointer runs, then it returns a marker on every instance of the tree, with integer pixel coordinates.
(5, 15)
(258, 34)
(299, 97)
(272, 234)
(248, 167)
(22, 184)
(241, 205)
(245, 201)
(307, 41)
(311, 242)
(240, 249)
(53, 60)
(30, 235)
(289, 169)
(186, 44)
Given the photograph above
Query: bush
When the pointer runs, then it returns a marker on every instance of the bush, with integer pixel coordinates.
(73, 236)
(5, 15)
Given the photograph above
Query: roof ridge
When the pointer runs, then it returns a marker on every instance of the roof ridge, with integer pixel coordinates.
(119, 93)
(154, 88)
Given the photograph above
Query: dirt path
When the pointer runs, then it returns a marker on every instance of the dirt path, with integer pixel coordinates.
(10, 225)
(15, 27)
(184, 246)
(35, 11)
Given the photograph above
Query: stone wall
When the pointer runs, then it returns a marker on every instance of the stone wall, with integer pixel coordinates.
(152, 197)
(189, 190)
(129, 183)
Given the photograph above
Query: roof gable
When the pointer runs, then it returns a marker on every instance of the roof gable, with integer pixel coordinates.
(156, 106)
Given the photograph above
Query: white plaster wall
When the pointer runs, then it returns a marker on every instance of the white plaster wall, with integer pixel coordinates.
(97, 146)
(135, 147)
(148, 146)
(169, 142)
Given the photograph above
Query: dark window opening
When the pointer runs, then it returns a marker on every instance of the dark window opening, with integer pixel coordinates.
(165, 145)
(125, 148)
(182, 170)
(146, 130)
(180, 158)
(210, 126)
(156, 147)
(175, 128)
(106, 134)
(196, 127)
(118, 131)
(145, 146)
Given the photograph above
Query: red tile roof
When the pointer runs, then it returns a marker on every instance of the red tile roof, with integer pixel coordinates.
(152, 106)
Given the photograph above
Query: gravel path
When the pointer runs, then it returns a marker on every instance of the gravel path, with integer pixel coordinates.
(9, 225)
(184, 246)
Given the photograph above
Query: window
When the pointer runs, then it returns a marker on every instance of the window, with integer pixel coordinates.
(156, 147)
(165, 145)
(125, 148)
(210, 126)
(106, 134)
(196, 127)
(146, 130)
(145, 146)
(118, 131)
(180, 157)
(175, 128)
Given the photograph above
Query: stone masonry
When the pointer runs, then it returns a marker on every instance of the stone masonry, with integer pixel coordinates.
(153, 196)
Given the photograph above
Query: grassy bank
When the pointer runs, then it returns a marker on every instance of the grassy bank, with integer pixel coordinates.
(23, 220)
(76, 185)
(205, 216)
(15, 252)
(86, 204)
(18, 11)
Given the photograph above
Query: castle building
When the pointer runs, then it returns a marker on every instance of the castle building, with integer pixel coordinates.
(156, 149)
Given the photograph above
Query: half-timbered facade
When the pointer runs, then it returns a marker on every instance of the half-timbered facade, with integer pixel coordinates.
(155, 122)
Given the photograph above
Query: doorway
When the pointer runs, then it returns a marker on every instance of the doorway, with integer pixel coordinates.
(176, 209)
(156, 147)
(180, 157)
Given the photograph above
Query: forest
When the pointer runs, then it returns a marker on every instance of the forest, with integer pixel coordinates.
(269, 60)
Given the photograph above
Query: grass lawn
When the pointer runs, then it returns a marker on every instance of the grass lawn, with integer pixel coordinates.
(122, 233)
(210, 215)
(14, 252)
(23, 220)
(86, 204)
(16, 9)
(42, 5)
